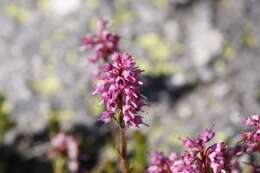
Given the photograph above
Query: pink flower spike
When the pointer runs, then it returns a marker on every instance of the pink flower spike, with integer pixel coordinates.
(120, 91)
(103, 43)
(207, 135)
(62, 145)
(252, 138)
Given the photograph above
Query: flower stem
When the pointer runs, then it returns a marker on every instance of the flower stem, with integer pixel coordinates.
(123, 151)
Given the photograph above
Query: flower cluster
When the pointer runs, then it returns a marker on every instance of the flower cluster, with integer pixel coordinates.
(199, 157)
(249, 145)
(64, 145)
(160, 163)
(103, 43)
(252, 138)
(120, 90)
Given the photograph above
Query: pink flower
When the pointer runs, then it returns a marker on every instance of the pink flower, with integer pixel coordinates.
(252, 138)
(207, 135)
(252, 121)
(217, 157)
(58, 143)
(200, 140)
(65, 145)
(199, 157)
(72, 147)
(120, 90)
(73, 166)
(160, 163)
(103, 43)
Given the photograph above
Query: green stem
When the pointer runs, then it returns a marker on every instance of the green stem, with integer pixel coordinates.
(123, 151)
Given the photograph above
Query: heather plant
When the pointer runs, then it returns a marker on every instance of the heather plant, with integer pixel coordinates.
(252, 138)
(120, 90)
(119, 86)
(199, 157)
(122, 98)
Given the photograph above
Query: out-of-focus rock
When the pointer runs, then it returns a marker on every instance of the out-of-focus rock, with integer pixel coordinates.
(205, 41)
(61, 8)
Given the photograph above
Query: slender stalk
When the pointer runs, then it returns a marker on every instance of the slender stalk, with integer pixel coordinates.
(59, 165)
(123, 151)
(122, 137)
(113, 133)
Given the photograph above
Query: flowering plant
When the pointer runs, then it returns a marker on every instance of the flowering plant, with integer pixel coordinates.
(216, 158)
(120, 90)
(103, 43)
(119, 85)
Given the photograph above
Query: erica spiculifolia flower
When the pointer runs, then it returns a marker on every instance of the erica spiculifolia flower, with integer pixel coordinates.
(252, 138)
(197, 158)
(159, 163)
(64, 145)
(103, 43)
(120, 90)
(200, 157)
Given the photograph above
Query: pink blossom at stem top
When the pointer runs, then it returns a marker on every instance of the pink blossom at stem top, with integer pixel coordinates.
(63, 144)
(120, 90)
(200, 157)
(252, 138)
(103, 43)
(197, 158)
(159, 163)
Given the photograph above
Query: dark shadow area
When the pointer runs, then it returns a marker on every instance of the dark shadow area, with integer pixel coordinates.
(157, 88)
(182, 4)
(28, 154)
(14, 162)
(93, 139)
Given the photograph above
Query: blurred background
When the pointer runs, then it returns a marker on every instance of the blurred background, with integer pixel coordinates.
(201, 62)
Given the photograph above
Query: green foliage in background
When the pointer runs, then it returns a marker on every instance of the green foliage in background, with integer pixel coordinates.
(5, 121)
(157, 48)
(160, 3)
(17, 13)
(107, 167)
(248, 39)
(258, 95)
(47, 86)
(95, 106)
(92, 4)
(137, 156)
(60, 165)
(229, 52)
(159, 51)
(139, 160)
(122, 16)
(53, 122)
(57, 116)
